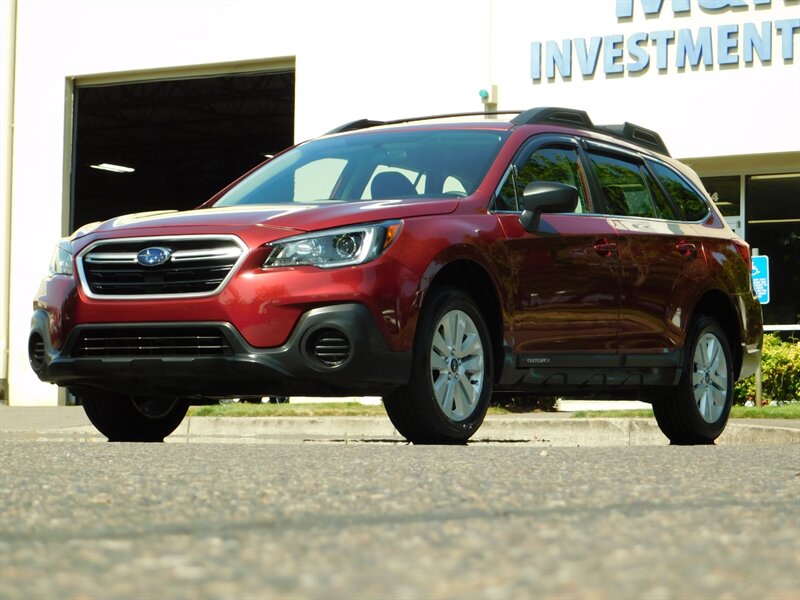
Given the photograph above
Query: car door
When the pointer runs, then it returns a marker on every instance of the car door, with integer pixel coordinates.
(566, 274)
(659, 253)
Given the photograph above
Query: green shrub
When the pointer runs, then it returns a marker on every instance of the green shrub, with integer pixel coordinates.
(780, 373)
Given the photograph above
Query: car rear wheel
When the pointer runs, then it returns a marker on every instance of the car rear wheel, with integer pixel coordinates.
(448, 394)
(698, 412)
(132, 419)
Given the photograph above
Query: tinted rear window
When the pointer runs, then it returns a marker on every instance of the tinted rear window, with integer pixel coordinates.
(689, 200)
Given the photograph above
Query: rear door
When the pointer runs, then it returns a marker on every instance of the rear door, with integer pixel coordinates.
(660, 253)
(566, 274)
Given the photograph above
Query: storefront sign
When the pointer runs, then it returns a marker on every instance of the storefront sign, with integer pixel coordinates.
(728, 44)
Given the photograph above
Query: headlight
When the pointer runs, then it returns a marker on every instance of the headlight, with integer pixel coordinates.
(334, 248)
(61, 263)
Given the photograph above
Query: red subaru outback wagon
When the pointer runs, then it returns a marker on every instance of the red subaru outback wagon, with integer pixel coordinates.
(433, 262)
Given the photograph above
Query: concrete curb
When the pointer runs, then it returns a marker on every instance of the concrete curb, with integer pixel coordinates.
(538, 431)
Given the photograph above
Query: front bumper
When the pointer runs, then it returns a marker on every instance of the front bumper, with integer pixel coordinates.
(368, 367)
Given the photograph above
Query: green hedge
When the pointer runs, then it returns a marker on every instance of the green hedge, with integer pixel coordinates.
(780, 373)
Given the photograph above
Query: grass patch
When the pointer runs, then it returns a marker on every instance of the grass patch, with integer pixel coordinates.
(355, 409)
(643, 413)
(514, 410)
(333, 409)
(784, 411)
(326, 409)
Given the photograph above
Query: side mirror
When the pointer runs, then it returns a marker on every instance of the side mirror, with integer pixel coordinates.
(546, 197)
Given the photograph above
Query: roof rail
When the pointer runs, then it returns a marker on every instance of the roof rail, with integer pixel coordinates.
(554, 115)
(641, 136)
(636, 134)
(366, 123)
(354, 125)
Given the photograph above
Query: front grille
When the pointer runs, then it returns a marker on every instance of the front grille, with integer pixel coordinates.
(150, 341)
(196, 266)
(329, 346)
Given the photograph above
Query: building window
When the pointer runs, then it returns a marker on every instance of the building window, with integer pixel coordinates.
(726, 193)
(773, 229)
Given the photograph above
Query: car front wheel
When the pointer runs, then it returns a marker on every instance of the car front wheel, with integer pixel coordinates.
(132, 419)
(448, 394)
(698, 410)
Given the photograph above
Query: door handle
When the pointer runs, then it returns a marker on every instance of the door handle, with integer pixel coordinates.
(604, 248)
(686, 249)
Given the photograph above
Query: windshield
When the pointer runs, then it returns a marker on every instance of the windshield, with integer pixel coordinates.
(372, 166)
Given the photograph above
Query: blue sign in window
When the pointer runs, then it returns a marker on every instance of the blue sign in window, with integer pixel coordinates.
(760, 276)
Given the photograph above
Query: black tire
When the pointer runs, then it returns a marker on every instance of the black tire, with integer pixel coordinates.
(698, 410)
(453, 410)
(127, 419)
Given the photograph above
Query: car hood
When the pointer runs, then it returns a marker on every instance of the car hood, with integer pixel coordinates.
(294, 218)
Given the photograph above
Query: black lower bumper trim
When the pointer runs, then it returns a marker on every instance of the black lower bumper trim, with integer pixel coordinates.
(369, 369)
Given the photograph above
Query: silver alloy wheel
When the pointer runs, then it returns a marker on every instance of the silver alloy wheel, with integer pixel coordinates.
(709, 377)
(457, 367)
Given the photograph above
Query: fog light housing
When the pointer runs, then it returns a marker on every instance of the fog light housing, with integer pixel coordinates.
(329, 346)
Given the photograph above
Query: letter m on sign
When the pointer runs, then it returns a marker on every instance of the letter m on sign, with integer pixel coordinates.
(650, 7)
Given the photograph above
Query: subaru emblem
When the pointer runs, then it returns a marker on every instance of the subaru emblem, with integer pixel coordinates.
(152, 257)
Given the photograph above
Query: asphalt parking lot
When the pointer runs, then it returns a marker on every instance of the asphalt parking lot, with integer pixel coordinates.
(538, 505)
(96, 521)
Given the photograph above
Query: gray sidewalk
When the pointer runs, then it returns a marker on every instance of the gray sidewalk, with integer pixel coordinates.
(69, 423)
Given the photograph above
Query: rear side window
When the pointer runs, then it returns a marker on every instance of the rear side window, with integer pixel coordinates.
(664, 207)
(624, 186)
(692, 204)
(556, 164)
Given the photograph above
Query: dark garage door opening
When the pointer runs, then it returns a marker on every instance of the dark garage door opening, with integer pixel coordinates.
(184, 139)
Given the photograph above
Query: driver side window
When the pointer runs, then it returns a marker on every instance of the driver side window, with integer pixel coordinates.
(557, 164)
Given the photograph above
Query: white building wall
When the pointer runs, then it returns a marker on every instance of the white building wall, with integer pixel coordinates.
(378, 60)
(699, 112)
(8, 20)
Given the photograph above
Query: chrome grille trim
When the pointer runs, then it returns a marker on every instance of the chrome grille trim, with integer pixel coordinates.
(204, 271)
(132, 342)
(120, 258)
